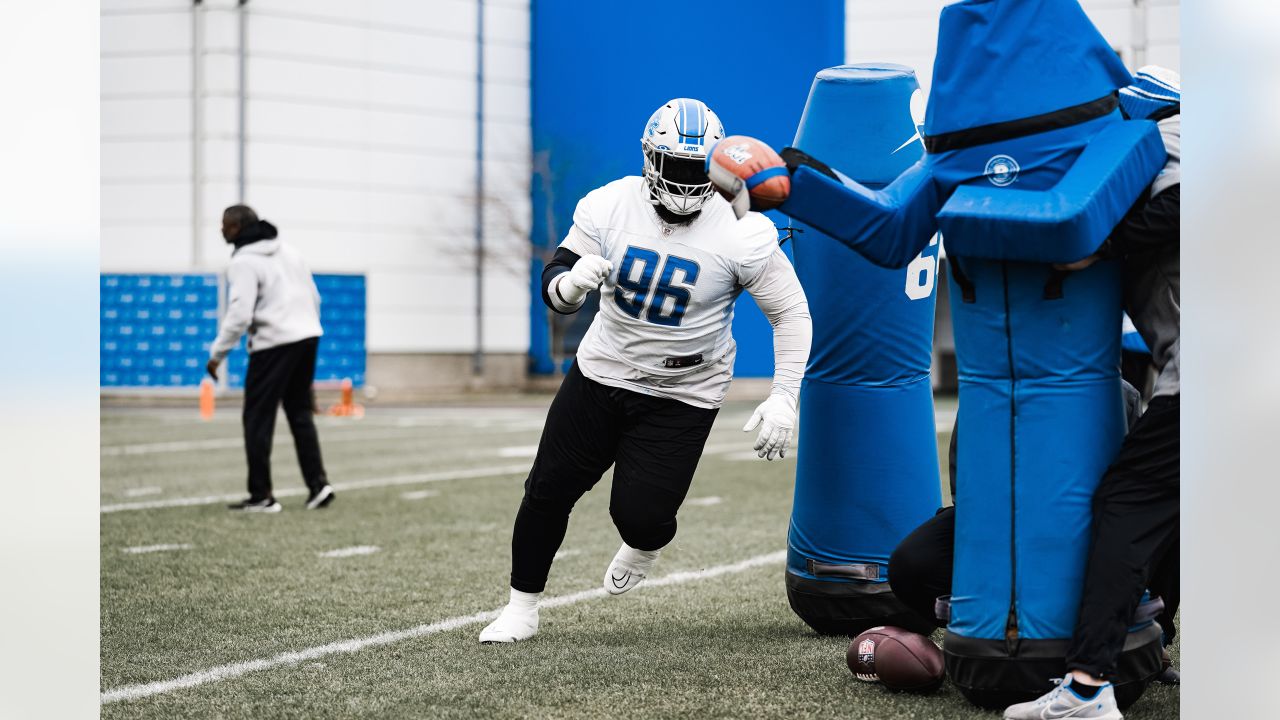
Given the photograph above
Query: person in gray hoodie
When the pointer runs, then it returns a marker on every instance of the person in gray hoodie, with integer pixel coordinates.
(271, 294)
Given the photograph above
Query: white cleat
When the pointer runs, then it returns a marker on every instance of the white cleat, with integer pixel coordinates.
(629, 568)
(513, 625)
(1064, 702)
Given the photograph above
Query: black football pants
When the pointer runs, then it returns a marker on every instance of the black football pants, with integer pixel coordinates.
(1134, 540)
(1134, 545)
(276, 376)
(654, 445)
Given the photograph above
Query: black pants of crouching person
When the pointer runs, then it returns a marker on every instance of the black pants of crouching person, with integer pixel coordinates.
(654, 445)
(277, 376)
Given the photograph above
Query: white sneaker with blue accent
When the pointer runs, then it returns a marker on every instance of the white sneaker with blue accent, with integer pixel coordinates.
(1064, 702)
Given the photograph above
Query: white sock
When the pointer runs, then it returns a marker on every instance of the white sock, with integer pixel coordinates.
(523, 600)
(640, 557)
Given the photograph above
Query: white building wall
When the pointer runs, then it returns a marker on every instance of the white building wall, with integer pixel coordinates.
(360, 142)
(906, 31)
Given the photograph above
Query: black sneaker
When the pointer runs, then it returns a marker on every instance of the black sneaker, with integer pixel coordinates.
(321, 498)
(265, 505)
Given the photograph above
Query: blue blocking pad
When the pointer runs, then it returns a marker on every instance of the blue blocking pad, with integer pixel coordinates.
(1070, 218)
(889, 227)
(1029, 158)
(867, 468)
(1043, 417)
(1003, 60)
(1039, 378)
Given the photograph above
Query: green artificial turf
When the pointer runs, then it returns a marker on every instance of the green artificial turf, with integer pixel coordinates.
(253, 586)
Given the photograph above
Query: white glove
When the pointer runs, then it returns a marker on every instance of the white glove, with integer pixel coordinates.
(587, 275)
(776, 418)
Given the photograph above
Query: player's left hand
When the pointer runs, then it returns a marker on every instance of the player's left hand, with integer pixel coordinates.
(776, 418)
(212, 368)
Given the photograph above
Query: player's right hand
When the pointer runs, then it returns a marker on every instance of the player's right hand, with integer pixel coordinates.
(587, 275)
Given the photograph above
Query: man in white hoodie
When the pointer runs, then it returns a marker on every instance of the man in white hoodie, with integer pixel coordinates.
(270, 293)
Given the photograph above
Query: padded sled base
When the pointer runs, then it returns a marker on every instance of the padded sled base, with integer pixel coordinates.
(990, 677)
(849, 608)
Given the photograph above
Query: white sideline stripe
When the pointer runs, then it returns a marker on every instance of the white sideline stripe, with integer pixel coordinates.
(705, 501)
(519, 451)
(228, 443)
(155, 548)
(418, 494)
(392, 481)
(234, 670)
(350, 551)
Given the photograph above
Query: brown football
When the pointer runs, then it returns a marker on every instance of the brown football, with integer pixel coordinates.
(900, 659)
(763, 171)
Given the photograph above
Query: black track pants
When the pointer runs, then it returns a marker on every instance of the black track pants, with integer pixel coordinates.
(1134, 541)
(654, 444)
(281, 375)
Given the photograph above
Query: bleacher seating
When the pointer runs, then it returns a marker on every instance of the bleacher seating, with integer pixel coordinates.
(156, 330)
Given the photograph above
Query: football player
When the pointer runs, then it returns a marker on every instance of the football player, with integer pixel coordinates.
(670, 258)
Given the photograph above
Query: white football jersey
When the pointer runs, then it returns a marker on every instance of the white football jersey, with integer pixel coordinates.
(666, 309)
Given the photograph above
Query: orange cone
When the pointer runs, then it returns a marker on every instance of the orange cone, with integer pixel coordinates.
(347, 407)
(206, 399)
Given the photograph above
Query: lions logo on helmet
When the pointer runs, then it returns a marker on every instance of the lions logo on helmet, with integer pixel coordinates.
(675, 143)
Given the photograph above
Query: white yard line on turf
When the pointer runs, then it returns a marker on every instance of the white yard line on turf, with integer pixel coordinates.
(140, 491)
(154, 548)
(468, 474)
(234, 670)
(418, 494)
(704, 501)
(236, 442)
(351, 551)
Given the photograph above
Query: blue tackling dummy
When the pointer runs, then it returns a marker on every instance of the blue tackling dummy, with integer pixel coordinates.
(867, 471)
(1028, 163)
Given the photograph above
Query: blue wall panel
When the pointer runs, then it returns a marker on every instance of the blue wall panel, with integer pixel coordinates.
(600, 69)
(156, 330)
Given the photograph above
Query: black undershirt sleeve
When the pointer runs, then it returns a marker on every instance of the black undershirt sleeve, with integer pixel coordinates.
(562, 261)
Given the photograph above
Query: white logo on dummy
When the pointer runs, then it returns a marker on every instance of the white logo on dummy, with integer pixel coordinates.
(1001, 170)
(917, 105)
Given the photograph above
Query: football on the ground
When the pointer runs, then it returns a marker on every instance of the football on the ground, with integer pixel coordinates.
(747, 172)
(900, 659)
